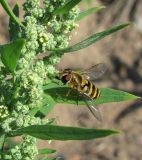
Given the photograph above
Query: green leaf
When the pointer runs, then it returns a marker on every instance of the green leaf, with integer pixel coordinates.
(14, 27)
(48, 105)
(52, 132)
(49, 158)
(92, 39)
(10, 53)
(45, 109)
(10, 13)
(58, 93)
(46, 151)
(2, 139)
(33, 111)
(88, 12)
(67, 7)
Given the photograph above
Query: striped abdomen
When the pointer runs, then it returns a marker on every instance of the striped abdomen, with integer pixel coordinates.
(90, 89)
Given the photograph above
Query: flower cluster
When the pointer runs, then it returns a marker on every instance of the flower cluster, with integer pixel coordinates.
(3, 112)
(44, 32)
(26, 150)
(32, 7)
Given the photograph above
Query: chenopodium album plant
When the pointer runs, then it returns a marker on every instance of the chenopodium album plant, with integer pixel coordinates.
(28, 91)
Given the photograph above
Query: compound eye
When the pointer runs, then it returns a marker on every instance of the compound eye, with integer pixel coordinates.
(66, 78)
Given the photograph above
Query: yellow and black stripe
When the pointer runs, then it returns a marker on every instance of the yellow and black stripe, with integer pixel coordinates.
(89, 89)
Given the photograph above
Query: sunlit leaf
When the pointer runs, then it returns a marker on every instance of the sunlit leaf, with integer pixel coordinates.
(88, 12)
(59, 94)
(47, 106)
(46, 151)
(52, 132)
(10, 53)
(67, 7)
(92, 39)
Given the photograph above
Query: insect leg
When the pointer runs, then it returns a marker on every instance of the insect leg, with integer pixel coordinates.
(77, 97)
(68, 93)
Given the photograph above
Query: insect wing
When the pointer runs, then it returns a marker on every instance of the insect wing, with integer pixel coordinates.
(93, 109)
(96, 112)
(95, 71)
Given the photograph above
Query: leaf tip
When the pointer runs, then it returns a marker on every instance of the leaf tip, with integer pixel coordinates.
(134, 97)
(128, 24)
(102, 7)
(16, 5)
(113, 131)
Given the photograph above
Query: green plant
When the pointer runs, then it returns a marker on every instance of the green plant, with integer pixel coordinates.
(28, 91)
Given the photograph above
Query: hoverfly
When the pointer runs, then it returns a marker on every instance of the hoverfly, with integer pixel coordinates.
(82, 81)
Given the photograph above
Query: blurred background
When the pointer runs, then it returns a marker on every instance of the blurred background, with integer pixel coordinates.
(122, 52)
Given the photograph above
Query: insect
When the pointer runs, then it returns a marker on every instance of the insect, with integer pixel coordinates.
(83, 83)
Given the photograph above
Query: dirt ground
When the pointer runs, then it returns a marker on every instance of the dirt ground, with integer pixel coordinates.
(122, 52)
